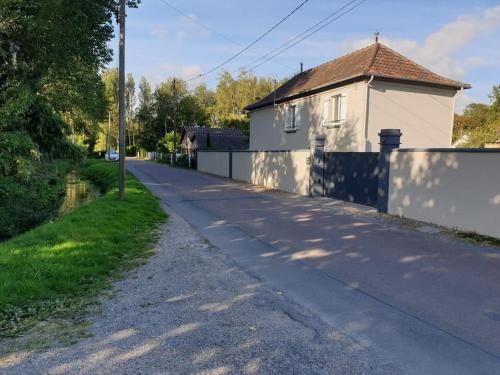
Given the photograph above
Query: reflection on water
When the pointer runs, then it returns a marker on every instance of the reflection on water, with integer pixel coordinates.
(78, 192)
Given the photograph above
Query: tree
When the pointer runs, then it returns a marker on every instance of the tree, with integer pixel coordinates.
(145, 116)
(224, 107)
(205, 99)
(225, 96)
(480, 122)
(110, 125)
(52, 52)
(130, 102)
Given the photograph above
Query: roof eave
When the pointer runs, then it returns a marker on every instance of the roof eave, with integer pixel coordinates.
(316, 90)
(455, 86)
(420, 82)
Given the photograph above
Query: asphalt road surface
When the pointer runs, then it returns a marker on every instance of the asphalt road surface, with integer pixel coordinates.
(427, 302)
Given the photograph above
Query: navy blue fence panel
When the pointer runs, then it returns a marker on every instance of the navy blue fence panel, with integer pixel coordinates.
(351, 176)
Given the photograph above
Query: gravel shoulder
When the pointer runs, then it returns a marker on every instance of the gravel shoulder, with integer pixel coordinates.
(191, 310)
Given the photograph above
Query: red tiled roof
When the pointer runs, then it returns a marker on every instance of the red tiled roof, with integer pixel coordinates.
(375, 60)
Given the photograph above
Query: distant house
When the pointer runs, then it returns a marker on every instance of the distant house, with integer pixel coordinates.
(348, 101)
(194, 138)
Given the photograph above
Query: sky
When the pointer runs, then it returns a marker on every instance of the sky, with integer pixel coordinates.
(459, 39)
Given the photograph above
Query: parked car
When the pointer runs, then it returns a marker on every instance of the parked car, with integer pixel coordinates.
(112, 156)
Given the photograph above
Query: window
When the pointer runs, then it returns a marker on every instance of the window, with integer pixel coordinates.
(335, 110)
(292, 118)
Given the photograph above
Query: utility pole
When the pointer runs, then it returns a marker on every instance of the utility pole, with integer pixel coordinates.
(174, 90)
(121, 101)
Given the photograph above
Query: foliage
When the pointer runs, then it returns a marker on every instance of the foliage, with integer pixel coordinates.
(182, 161)
(51, 98)
(17, 155)
(131, 151)
(222, 107)
(28, 202)
(480, 122)
(237, 122)
(53, 270)
(166, 144)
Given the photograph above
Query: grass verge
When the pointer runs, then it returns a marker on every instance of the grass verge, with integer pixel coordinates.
(55, 270)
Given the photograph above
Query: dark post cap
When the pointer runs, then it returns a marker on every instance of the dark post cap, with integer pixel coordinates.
(390, 137)
(390, 132)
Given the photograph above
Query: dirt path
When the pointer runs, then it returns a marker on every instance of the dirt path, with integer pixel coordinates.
(191, 310)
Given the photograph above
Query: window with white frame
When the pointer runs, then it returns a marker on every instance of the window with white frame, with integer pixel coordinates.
(291, 117)
(335, 110)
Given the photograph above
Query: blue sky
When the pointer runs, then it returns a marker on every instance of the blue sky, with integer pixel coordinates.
(459, 39)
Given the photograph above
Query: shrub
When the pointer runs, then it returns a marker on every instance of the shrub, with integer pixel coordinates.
(131, 151)
(28, 203)
(182, 161)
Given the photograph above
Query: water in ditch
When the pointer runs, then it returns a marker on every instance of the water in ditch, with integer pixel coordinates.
(79, 191)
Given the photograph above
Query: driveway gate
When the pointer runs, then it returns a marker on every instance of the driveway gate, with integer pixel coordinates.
(358, 177)
(351, 176)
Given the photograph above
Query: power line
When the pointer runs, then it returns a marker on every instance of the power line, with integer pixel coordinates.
(206, 27)
(301, 34)
(297, 39)
(195, 20)
(308, 35)
(251, 44)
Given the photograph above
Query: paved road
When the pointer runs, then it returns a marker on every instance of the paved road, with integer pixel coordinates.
(426, 301)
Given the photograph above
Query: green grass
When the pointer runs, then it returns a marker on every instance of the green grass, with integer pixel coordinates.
(55, 270)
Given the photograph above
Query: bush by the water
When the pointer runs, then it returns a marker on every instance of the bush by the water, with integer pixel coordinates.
(32, 183)
(26, 203)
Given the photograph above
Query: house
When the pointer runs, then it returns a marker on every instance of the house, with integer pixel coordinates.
(194, 138)
(350, 99)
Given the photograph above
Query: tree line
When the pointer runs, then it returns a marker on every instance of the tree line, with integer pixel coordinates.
(153, 115)
(480, 123)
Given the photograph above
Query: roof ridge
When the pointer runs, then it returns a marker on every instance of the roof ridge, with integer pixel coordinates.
(341, 57)
(372, 61)
(415, 63)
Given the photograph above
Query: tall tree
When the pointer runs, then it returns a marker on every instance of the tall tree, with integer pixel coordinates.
(148, 133)
(130, 102)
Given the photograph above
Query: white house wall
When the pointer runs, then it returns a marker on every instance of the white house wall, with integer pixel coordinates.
(424, 114)
(266, 125)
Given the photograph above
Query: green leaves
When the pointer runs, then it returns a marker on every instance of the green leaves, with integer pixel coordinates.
(480, 122)
(17, 154)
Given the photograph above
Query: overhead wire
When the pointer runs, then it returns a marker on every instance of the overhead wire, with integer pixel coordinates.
(300, 37)
(262, 36)
(252, 68)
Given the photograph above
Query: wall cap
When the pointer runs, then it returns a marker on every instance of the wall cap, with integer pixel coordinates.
(458, 150)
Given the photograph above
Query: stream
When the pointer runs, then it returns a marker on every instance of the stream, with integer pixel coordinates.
(79, 191)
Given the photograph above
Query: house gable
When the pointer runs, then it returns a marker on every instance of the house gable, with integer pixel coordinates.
(377, 61)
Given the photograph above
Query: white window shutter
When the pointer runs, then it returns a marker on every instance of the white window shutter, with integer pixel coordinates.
(343, 108)
(326, 108)
(297, 116)
(286, 117)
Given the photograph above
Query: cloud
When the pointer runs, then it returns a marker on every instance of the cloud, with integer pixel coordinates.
(159, 32)
(438, 52)
(181, 71)
(190, 27)
(462, 100)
